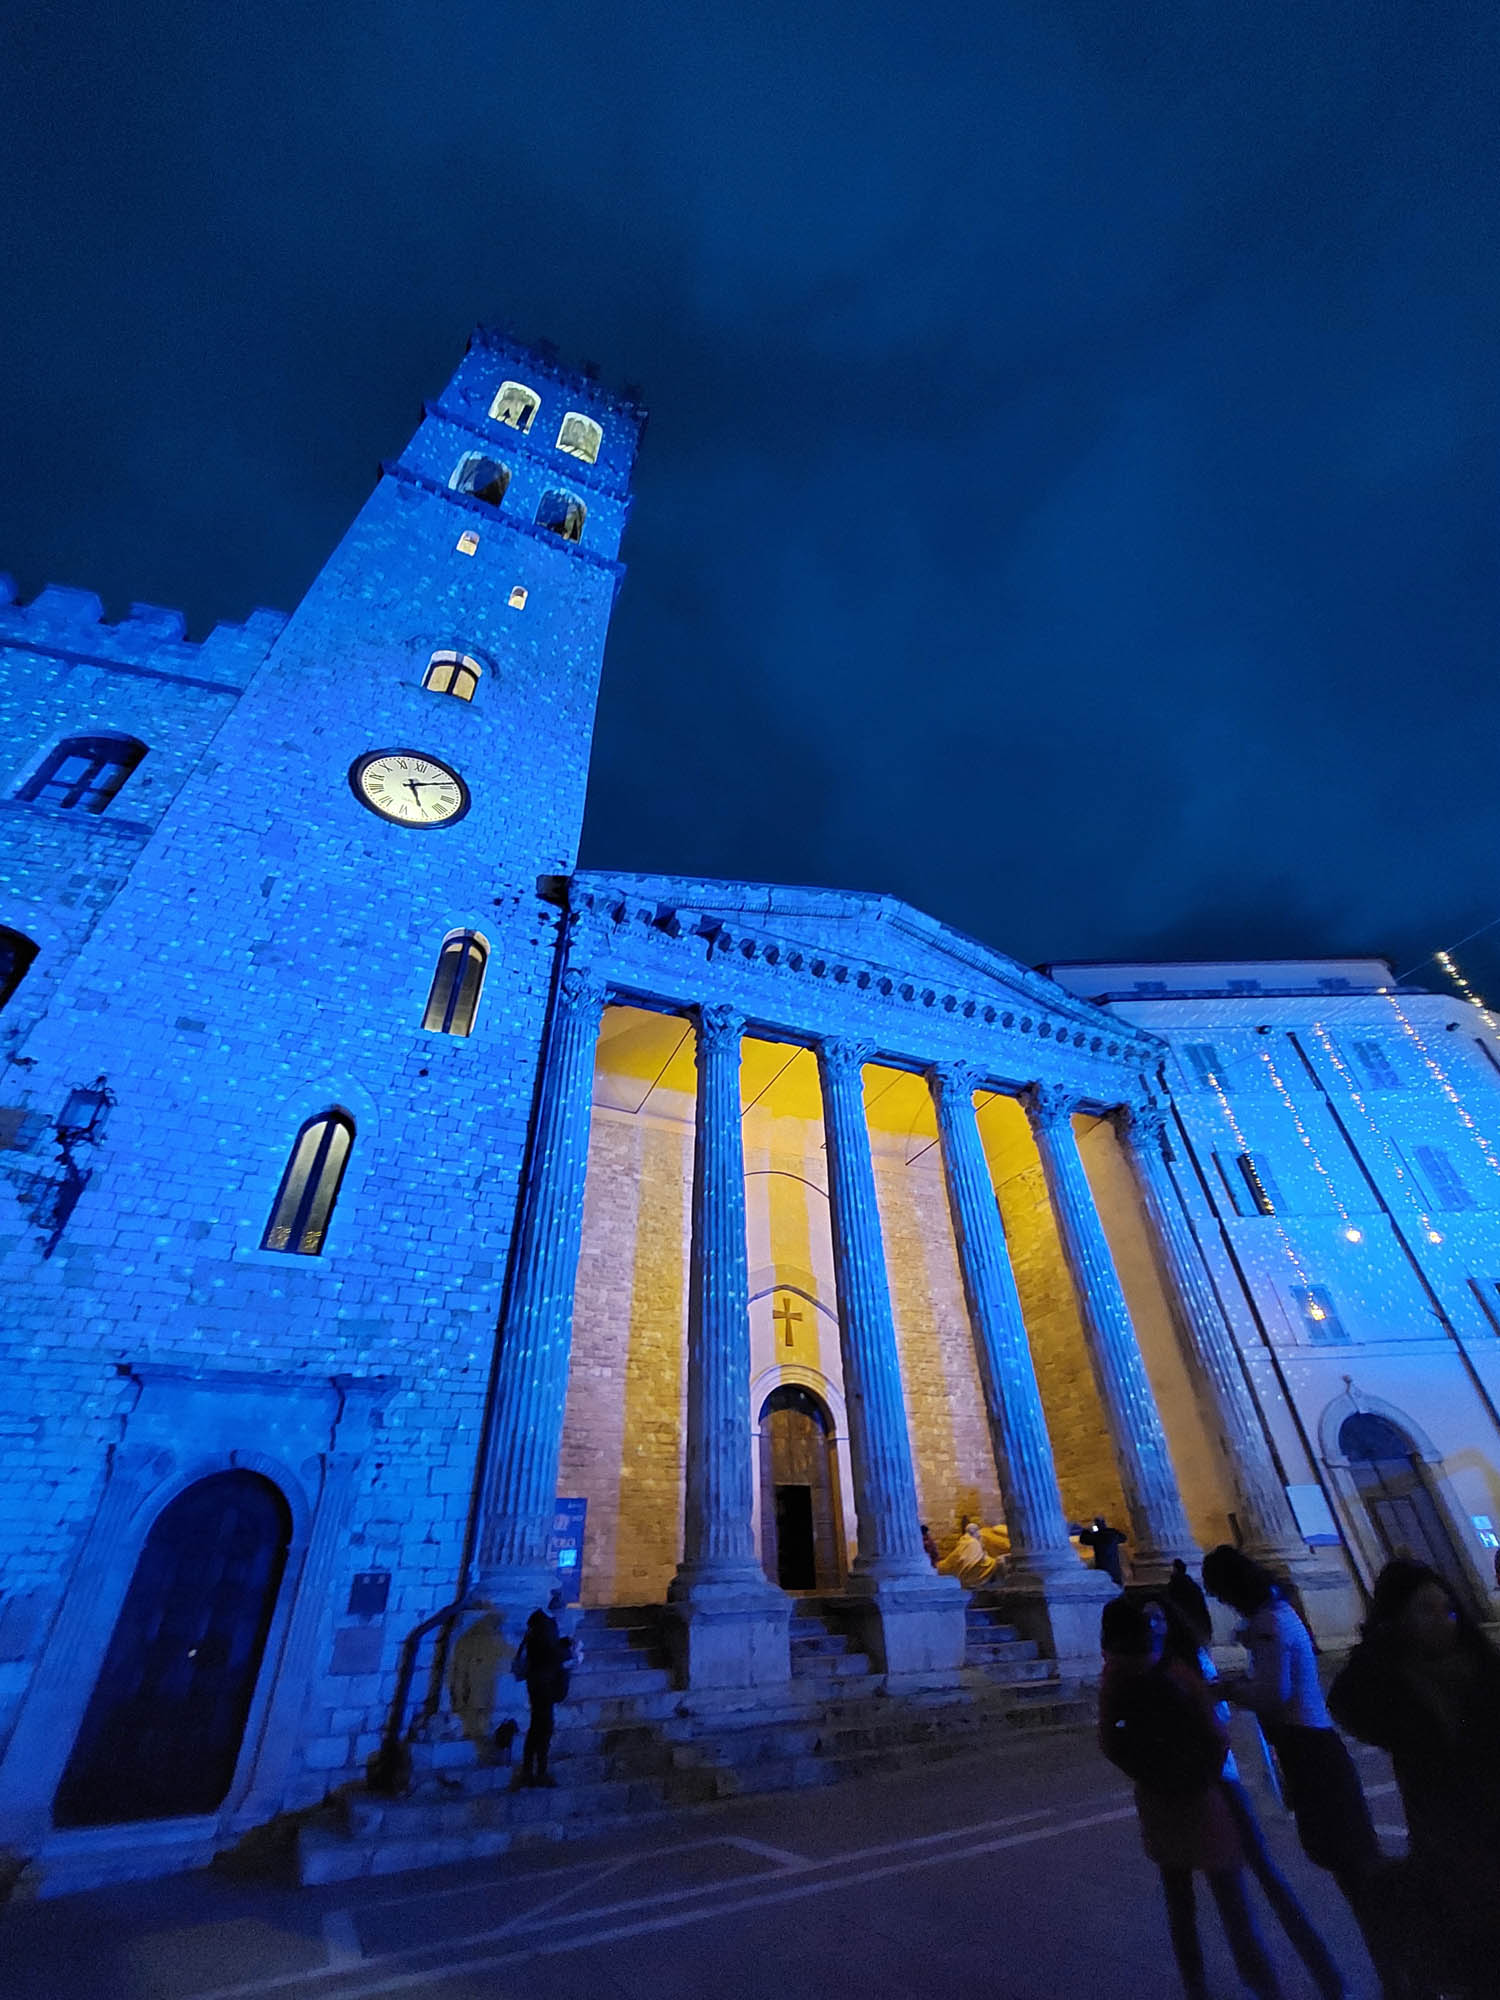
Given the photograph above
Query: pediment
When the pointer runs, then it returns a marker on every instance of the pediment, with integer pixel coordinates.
(880, 932)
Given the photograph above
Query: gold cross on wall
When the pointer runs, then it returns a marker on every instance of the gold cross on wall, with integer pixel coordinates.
(784, 1316)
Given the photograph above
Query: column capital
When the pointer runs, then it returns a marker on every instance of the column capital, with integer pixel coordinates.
(719, 1025)
(1142, 1120)
(1048, 1105)
(957, 1079)
(582, 987)
(844, 1055)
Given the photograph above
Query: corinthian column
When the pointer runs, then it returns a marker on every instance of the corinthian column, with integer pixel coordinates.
(919, 1623)
(1159, 1525)
(1264, 1513)
(731, 1623)
(524, 1431)
(1039, 1544)
(718, 1533)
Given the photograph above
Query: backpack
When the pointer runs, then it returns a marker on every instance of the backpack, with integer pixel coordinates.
(1160, 1736)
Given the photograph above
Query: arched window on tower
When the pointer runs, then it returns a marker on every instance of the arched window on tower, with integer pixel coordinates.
(484, 477)
(310, 1185)
(581, 436)
(561, 513)
(515, 405)
(16, 953)
(453, 1000)
(84, 772)
(452, 673)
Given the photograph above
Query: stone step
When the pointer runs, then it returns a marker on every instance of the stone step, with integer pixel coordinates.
(831, 1666)
(1024, 1652)
(598, 1680)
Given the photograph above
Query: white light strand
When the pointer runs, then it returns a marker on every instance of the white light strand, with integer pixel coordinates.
(1444, 1084)
(1315, 1311)
(1403, 1177)
(1450, 965)
(1352, 1233)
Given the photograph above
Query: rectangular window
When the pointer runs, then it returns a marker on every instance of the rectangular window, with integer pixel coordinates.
(1319, 1319)
(1255, 1172)
(1444, 1179)
(1203, 1061)
(1250, 1184)
(1376, 1066)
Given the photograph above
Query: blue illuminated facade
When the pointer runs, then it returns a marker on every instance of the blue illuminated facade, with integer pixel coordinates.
(327, 1277)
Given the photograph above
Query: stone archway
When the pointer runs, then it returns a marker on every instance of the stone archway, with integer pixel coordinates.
(1404, 1514)
(801, 1525)
(161, 1735)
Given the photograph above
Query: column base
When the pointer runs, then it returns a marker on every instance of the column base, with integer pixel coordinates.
(727, 1628)
(1059, 1608)
(909, 1619)
(1151, 1567)
(514, 1593)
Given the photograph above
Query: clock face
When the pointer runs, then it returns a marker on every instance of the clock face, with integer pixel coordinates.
(408, 788)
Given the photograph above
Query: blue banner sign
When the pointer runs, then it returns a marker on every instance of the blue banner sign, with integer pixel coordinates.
(566, 1548)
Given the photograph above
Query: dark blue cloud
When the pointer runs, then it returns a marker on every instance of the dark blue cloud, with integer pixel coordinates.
(1070, 496)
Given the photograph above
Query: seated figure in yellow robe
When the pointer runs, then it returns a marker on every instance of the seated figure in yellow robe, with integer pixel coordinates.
(967, 1559)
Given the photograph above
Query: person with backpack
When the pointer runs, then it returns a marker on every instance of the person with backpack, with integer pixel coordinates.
(1157, 1725)
(541, 1661)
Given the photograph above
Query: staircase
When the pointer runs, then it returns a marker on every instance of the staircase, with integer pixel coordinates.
(630, 1745)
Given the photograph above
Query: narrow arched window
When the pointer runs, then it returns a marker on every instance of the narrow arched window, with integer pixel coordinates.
(485, 478)
(84, 772)
(16, 953)
(310, 1185)
(452, 673)
(562, 513)
(515, 405)
(581, 436)
(454, 999)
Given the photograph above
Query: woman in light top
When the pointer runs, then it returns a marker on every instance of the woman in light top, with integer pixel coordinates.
(1321, 1784)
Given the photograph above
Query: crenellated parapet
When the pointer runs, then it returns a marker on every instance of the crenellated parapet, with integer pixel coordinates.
(69, 625)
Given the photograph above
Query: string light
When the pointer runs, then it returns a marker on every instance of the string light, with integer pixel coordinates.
(1450, 965)
(1440, 1075)
(1312, 1308)
(1330, 1049)
(1352, 1234)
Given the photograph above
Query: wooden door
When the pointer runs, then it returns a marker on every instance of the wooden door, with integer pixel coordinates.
(161, 1735)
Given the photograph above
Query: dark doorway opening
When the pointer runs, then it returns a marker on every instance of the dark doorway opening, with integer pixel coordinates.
(796, 1557)
(1403, 1510)
(801, 1527)
(161, 1735)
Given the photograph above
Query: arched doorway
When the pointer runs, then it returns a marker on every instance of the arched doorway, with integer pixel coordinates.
(1402, 1508)
(161, 1735)
(801, 1530)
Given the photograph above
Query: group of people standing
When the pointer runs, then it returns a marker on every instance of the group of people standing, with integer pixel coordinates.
(1423, 1684)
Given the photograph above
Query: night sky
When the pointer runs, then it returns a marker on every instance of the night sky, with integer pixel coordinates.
(1070, 498)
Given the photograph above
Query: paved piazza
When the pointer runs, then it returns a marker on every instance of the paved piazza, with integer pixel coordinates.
(1017, 1876)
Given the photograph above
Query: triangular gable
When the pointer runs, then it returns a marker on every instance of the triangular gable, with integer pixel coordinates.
(873, 930)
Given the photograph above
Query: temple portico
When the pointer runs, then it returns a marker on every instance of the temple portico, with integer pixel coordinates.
(826, 1157)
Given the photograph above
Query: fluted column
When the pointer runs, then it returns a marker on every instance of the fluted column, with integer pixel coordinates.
(1159, 1524)
(536, 1336)
(885, 1487)
(718, 1529)
(1264, 1512)
(1039, 1545)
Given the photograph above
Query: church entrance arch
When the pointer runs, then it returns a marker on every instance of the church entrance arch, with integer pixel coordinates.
(161, 1735)
(801, 1527)
(1402, 1508)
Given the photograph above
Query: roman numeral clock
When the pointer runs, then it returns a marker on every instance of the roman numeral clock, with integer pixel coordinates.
(409, 788)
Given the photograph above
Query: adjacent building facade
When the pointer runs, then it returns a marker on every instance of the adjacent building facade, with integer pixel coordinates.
(377, 1189)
